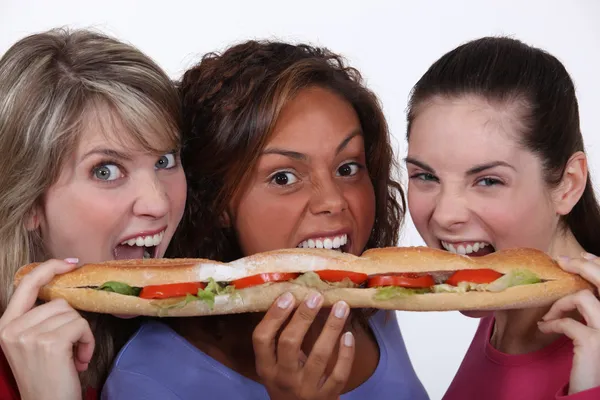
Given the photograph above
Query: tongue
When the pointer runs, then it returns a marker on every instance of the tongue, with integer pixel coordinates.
(126, 252)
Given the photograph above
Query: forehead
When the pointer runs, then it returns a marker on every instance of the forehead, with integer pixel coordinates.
(315, 117)
(464, 131)
(103, 127)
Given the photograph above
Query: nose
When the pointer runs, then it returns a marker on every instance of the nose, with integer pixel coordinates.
(451, 210)
(327, 198)
(151, 199)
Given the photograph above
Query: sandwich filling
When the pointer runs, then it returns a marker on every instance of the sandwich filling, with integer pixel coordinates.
(388, 286)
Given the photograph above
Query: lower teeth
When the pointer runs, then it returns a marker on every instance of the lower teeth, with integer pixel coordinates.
(147, 254)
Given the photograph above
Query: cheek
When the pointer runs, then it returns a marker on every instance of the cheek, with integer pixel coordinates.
(362, 203)
(421, 205)
(77, 223)
(176, 189)
(265, 221)
(525, 214)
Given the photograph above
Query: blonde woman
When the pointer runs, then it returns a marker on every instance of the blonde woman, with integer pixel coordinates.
(89, 137)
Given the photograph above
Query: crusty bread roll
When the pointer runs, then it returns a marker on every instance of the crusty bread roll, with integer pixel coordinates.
(79, 286)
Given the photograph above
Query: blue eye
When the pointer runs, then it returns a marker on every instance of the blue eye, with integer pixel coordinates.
(283, 178)
(425, 176)
(107, 172)
(166, 161)
(488, 182)
(349, 169)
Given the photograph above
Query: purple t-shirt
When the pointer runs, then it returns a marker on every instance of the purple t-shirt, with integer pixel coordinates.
(157, 363)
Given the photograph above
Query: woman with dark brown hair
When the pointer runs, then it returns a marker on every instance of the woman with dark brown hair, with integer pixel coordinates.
(508, 114)
(283, 147)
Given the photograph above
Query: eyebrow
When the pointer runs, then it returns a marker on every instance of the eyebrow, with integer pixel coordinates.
(107, 152)
(303, 157)
(472, 171)
(420, 164)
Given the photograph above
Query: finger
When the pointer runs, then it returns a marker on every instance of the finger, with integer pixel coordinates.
(319, 356)
(588, 269)
(49, 324)
(265, 333)
(584, 301)
(290, 340)
(65, 333)
(26, 293)
(576, 331)
(85, 344)
(341, 372)
(34, 317)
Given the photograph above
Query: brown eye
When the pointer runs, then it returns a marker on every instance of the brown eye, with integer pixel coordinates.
(284, 178)
(349, 169)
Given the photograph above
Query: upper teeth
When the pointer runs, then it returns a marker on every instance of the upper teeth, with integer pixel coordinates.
(147, 241)
(334, 242)
(462, 249)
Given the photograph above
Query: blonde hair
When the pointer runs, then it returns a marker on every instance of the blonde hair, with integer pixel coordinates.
(50, 83)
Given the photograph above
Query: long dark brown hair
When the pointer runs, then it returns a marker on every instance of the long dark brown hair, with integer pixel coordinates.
(506, 71)
(231, 102)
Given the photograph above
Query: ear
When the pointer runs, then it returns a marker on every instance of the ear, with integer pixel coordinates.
(32, 220)
(572, 184)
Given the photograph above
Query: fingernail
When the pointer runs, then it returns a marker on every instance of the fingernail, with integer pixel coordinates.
(285, 300)
(588, 256)
(340, 309)
(564, 258)
(314, 300)
(348, 339)
(72, 260)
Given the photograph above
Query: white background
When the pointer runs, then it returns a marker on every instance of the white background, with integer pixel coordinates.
(391, 42)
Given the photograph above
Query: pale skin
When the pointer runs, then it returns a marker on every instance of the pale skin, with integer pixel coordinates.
(311, 181)
(106, 192)
(492, 190)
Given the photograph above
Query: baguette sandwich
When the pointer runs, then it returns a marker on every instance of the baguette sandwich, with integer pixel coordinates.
(409, 279)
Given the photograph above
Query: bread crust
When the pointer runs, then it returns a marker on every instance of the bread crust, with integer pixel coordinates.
(72, 286)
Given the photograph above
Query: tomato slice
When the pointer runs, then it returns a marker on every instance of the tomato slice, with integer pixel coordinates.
(404, 280)
(332, 275)
(259, 279)
(171, 290)
(473, 276)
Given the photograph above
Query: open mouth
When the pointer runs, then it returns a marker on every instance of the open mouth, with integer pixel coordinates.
(471, 249)
(340, 243)
(139, 247)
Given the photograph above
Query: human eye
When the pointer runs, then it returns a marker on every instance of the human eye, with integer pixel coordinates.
(489, 181)
(349, 169)
(424, 176)
(283, 178)
(107, 172)
(166, 161)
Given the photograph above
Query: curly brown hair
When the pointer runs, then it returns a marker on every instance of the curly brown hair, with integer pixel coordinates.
(231, 102)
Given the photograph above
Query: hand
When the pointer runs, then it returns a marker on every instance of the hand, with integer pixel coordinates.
(585, 373)
(286, 371)
(46, 346)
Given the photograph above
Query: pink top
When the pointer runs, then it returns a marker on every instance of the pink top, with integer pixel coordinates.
(486, 373)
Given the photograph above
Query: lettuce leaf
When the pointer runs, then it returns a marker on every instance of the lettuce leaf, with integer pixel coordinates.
(391, 292)
(121, 288)
(206, 295)
(313, 280)
(516, 277)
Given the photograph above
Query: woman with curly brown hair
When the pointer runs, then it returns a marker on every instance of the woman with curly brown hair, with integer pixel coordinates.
(283, 147)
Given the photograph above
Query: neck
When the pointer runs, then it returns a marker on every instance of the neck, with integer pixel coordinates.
(565, 244)
(516, 331)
